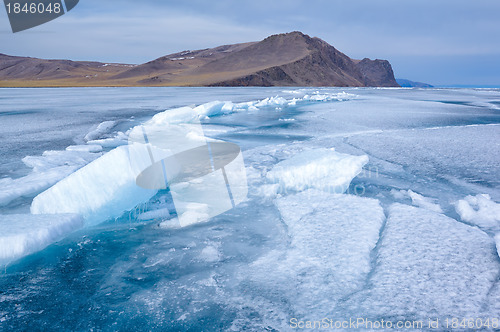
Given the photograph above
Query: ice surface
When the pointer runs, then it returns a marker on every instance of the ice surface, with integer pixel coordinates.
(493, 305)
(331, 237)
(308, 254)
(24, 234)
(440, 152)
(323, 169)
(479, 210)
(428, 266)
(101, 190)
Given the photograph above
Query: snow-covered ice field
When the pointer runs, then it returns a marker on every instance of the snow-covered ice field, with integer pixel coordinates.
(380, 204)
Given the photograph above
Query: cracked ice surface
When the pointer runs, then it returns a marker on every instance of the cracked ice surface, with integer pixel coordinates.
(429, 266)
(331, 237)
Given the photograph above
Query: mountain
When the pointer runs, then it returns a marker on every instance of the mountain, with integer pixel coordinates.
(410, 84)
(290, 59)
(22, 71)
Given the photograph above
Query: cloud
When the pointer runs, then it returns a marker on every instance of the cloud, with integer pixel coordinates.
(128, 37)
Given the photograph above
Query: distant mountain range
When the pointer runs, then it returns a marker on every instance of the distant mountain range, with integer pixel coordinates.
(290, 59)
(411, 84)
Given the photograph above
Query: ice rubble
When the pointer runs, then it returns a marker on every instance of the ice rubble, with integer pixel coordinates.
(74, 156)
(428, 265)
(417, 200)
(85, 148)
(215, 108)
(103, 189)
(111, 142)
(479, 210)
(107, 187)
(53, 166)
(330, 237)
(424, 202)
(101, 129)
(21, 235)
(225, 107)
(323, 169)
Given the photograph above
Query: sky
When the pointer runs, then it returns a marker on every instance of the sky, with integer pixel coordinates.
(441, 42)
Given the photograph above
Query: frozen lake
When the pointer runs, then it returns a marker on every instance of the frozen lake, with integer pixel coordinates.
(380, 204)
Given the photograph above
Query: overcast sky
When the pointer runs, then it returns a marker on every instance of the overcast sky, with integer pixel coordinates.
(441, 42)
